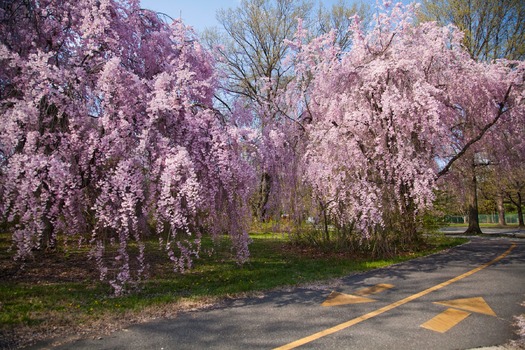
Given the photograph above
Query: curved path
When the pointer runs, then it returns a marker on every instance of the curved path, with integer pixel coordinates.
(463, 298)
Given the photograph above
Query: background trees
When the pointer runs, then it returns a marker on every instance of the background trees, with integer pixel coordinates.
(505, 181)
(251, 49)
(492, 30)
(251, 53)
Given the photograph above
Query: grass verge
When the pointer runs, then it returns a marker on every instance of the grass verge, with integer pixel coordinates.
(59, 295)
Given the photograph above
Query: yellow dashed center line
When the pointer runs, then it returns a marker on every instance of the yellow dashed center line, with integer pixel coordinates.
(389, 307)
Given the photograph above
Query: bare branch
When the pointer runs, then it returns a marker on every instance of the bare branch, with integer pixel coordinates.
(483, 131)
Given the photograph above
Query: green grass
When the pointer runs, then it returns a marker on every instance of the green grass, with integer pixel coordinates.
(41, 302)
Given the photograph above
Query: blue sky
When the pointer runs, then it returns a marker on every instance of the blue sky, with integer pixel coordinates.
(196, 13)
(201, 13)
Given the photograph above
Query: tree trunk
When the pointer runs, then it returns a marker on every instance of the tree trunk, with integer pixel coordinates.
(264, 193)
(324, 210)
(520, 211)
(518, 203)
(472, 197)
(326, 232)
(501, 210)
(47, 239)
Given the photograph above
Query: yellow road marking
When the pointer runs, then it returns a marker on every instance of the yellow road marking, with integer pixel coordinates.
(336, 298)
(470, 304)
(375, 289)
(445, 320)
(386, 308)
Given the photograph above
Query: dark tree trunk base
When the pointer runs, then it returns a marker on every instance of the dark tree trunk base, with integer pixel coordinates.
(473, 231)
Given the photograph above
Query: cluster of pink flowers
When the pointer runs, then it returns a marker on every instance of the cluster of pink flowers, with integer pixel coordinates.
(385, 114)
(107, 131)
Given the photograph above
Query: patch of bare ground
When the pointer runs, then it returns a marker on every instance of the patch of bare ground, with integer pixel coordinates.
(59, 328)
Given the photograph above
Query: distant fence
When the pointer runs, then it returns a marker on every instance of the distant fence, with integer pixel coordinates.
(483, 219)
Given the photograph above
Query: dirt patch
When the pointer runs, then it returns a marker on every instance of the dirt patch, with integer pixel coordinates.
(45, 268)
(53, 333)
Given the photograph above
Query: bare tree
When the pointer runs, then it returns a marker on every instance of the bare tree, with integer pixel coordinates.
(339, 17)
(252, 46)
(493, 28)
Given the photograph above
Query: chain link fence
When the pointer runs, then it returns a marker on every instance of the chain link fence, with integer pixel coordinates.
(483, 219)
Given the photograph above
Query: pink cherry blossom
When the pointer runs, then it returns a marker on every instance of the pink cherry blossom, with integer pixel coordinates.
(383, 114)
(108, 133)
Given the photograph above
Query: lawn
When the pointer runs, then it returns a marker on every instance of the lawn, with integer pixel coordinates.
(60, 295)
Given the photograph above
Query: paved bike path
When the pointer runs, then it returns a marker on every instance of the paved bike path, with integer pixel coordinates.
(467, 279)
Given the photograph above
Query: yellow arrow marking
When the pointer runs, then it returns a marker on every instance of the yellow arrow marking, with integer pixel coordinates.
(445, 320)
(470, 304)
(375, 289)
(386, 308)
(336, 298)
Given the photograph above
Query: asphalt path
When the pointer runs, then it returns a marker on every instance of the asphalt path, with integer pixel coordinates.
(487, 272)
(511, 231)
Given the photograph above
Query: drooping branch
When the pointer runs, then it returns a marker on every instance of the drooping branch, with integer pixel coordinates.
(483, 131)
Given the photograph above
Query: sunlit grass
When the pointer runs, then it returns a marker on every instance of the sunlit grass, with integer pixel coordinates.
(273, 264)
